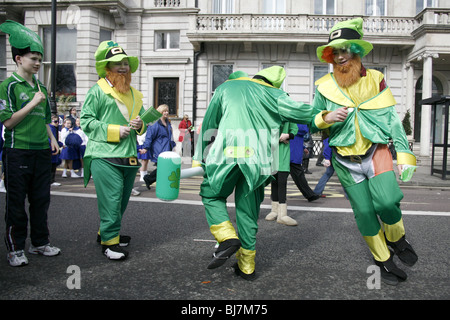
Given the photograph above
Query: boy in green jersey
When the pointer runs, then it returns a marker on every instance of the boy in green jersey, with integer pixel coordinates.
(25, 113)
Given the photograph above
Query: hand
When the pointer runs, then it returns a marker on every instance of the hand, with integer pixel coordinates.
(124, 132)
(284, 138)
(142, 151)
(38, 98)
(400, 169)
(137, 123)
(338, 115)
(55, 147)
(326, 163)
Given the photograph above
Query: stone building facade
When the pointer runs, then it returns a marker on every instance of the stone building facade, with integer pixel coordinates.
(188, 47)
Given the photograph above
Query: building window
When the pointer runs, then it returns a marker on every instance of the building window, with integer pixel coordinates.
(105, 35)
(220, 74)
(319, 72)
(422, 4)
(324, 6)
(166, 92)
(274, 6)
(375, 7)
(223, 6)
(66, 57)
(2, 57)
(165, 40)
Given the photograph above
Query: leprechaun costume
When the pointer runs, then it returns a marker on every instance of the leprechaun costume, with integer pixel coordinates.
(111, 160)
(361, 156)
(244, 119)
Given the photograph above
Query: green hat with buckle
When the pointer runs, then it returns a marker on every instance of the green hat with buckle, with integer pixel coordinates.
(344, 34)
(110, 51)
(22, 38)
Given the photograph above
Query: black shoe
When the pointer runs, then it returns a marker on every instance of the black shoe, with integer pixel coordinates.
(225, 250)
(114, 252)
(390, 273)
(123, 240)
(314, 197)
(403, 249)
(238, 272)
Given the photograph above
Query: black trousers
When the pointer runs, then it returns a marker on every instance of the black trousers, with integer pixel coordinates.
(298, 175)
(27, 174)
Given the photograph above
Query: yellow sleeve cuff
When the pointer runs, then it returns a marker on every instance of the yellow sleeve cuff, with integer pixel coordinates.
(113, 133)
(319, 122)
(406, 158)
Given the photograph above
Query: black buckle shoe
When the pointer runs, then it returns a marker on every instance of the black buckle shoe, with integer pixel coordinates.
(390, 273)
(225, 250)
(403, 249)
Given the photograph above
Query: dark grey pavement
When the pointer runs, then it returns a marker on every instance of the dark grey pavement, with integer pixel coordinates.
(323, 258)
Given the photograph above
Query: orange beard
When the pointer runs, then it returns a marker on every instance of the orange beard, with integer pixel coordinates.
(347, 75)
(120, 81)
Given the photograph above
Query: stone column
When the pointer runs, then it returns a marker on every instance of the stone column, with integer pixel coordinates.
(427, 87)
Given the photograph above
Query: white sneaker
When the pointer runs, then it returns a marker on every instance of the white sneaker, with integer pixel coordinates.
(17, 258)
(2, 186)
(64, 175)
(55, 184)
(114, 252)
(46, 250)
(134, 192)
(74, 175)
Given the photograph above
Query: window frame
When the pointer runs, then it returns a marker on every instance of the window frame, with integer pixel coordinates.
(167, 40)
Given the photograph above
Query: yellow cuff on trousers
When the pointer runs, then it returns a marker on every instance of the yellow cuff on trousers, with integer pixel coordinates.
(223, 231)
(378, 247)
(112, 241)
(394, 232)
(246, 260)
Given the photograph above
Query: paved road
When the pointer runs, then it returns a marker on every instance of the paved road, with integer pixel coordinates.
(324, 258)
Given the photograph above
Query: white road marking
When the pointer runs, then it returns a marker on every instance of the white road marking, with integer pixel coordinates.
(264, 206)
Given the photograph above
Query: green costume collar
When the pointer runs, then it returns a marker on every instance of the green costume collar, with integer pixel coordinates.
(137, 99)
(329, 88)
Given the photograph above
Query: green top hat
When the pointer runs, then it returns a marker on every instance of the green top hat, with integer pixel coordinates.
(275, 75)
(21, 37)
(110, 51)
(346, 33)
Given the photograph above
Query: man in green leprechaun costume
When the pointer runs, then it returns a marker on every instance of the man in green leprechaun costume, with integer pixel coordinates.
(357, 108)
(111, 117)
(244, 119)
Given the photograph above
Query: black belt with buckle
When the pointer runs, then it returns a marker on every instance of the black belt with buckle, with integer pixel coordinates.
(357, 158)
(129, 162)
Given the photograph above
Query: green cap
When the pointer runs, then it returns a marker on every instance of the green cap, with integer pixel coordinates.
(275, 75)
(345, 33)
(110, 51)
(237, 74)
(21, 37)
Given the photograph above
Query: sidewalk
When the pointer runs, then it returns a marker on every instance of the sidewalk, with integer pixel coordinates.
(422, 176)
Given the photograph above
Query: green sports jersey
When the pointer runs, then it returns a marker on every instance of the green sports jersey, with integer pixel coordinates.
(31, 132)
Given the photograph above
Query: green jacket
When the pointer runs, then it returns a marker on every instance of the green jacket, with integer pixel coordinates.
(285, 148)
(377, 118)
(244, 118)
(101, 117)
